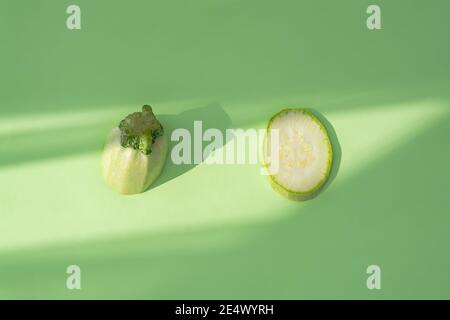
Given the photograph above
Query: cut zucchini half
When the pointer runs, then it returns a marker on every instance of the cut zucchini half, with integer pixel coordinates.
(304, 154)
(129, 171)
(135, 152)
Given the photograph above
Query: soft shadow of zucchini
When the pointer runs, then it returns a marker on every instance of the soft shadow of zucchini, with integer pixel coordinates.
(211, 116)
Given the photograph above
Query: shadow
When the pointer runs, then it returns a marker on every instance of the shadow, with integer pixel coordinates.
(52, 143)
(211, 116)
(336, 146)
(322, 254)
(42, 144)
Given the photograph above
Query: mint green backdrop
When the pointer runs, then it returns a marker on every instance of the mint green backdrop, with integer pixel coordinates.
(220, 231)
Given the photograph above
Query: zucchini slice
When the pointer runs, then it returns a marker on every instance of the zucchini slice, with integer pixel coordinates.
(304, 154)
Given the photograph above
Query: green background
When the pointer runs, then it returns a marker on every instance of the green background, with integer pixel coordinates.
(220, 231)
